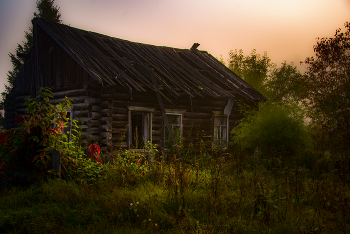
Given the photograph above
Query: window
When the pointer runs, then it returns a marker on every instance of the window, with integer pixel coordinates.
(140, 126)
(220, 130)
(175, 121)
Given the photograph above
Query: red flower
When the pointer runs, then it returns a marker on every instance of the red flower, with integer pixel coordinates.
(95, 151)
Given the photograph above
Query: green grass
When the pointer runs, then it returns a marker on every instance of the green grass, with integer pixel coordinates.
(213, 197)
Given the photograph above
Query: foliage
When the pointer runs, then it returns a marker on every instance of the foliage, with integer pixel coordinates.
(285, 84)
(254, 68)
(328, 85)
(131, 166)
(277, 132)
(44, 127)
(251, 200)
(46, 11)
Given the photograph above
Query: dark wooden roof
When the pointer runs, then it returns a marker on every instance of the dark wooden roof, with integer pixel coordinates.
(113, 61)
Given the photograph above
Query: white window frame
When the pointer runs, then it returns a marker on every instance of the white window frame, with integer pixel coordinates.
(146, 113)
(175, 112)
(220, 114)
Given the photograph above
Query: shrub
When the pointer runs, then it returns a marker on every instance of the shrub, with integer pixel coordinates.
(27, 147)
(277, 132)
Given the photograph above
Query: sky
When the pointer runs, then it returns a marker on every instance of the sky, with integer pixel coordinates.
(286, 29)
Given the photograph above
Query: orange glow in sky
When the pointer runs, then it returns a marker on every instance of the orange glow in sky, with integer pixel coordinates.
(286, 29)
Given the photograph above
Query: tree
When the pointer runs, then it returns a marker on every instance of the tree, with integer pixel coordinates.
(254, 68)
(47, 11)
(285, 84)
(328, 85)
(277, 132)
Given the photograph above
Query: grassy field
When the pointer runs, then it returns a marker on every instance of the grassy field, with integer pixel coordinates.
(220, 194)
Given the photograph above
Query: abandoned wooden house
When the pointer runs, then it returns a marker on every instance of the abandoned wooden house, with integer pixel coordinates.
(127, 93)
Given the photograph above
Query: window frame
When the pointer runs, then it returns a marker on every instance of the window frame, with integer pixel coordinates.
(220, 114)
(143, 111)
(177, 112)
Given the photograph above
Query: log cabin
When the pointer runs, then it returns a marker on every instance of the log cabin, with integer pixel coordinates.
(127, 93)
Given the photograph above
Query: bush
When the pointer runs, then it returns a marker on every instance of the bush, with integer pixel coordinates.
(25, 150)
(277, 132)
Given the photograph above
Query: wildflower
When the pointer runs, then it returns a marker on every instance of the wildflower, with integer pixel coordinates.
(95, 150)
(130, 204)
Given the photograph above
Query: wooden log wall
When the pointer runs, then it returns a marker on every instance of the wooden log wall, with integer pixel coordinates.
(15, 103)
(100, 116)
(78, 95)
(104, 113)
(119, 124)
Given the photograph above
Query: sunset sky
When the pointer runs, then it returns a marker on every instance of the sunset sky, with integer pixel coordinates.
(286, 29)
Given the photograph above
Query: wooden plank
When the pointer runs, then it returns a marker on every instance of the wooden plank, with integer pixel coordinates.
(89, 85)
(116, 124)
(170, 130)
(106, 120)
(94, 115)
(120, 110)
(106, 128)
(67, 49)
(106, 135)
(228, 107)
(93, 123)
(119, 117)
(120, 130)
(81, 113)
(106, 112)
(70, 93)
(92, 101)
(94, 130)
(106, 104)
(95, 108)
(116, 68)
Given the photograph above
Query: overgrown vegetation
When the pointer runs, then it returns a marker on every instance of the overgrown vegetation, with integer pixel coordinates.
(25, 150)
(223, 193)
(204, 191)
(279, 175)
(278, 132)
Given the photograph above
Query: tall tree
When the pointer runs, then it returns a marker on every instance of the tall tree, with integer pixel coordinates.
(285, 84)
(46, 11)
(328, 84)
(254, 68)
